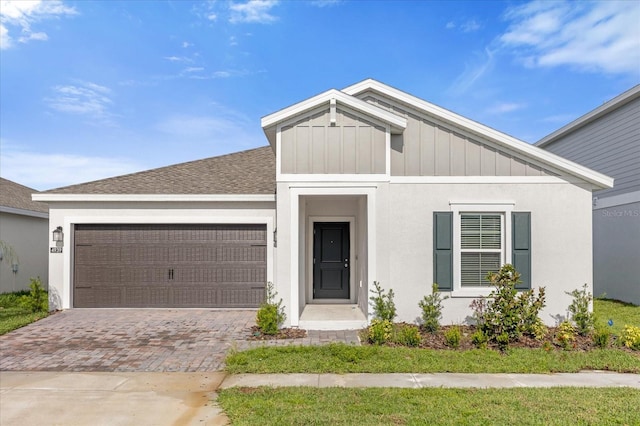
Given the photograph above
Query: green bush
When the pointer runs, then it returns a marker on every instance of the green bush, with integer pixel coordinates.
(505, 312)
(384, 307)
(37, 300)
(431, 306)
(566, 335)
(579, 310)
(601, 337)
(380, 331)
(407, 335)
(479, 339)
(270, 315)
(452, 337)
(631, 337)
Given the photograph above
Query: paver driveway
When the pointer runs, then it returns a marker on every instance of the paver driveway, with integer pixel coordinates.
(189, 340)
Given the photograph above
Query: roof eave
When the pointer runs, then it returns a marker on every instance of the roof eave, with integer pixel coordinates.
(599, 180)
(154, 197)
(606, 108)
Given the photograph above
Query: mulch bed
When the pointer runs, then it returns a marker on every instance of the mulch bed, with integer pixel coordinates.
(283, 333)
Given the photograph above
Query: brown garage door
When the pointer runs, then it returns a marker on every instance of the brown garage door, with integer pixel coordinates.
(181, 266)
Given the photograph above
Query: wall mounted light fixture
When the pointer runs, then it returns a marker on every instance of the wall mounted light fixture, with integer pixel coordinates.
(14, 268)
(58, 235)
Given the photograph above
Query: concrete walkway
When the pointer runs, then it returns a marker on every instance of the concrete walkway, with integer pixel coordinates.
(436, 380)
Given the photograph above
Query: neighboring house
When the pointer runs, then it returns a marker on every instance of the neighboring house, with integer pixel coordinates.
(360, 185)
(607, 139)
(24, 228)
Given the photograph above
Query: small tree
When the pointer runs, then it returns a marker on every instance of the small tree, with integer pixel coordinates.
(431, 306)
(384, 307)
(271, 315)
(579, 310)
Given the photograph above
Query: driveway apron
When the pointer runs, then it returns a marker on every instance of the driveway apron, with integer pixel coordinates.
(127, 340)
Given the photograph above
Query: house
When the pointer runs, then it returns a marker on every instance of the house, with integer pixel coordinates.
(358, 185)
(607, 139)
(24, 227)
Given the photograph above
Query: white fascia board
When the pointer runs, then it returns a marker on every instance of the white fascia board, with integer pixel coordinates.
(157, 197)
(599, 180)
(397, 123)
(23, 212)
(591, 116)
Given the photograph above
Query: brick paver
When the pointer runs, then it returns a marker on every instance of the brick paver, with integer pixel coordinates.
(187, 340)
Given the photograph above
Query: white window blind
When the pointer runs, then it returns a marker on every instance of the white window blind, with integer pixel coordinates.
(480, 246)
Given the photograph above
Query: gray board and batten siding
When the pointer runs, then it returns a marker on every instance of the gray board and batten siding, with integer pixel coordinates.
(609, 144)
(312, 145)
(428, 147)
(176, 266)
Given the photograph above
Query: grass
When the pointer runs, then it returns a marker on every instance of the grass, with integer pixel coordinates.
(620, 313)
(341, 358)
(389, 406)
(14, 316)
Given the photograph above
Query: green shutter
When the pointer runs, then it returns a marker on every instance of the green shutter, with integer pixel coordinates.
(443, 250)
(521, 242)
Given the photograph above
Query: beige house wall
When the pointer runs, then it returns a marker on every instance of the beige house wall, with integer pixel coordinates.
(313, 145)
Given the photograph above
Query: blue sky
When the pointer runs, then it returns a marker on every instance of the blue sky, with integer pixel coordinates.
(96, 89)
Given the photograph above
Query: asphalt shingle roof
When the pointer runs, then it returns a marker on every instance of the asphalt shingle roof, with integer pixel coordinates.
(18, 196)
(247, 172)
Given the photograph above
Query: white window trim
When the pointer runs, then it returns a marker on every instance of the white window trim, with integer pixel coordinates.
(504, 208)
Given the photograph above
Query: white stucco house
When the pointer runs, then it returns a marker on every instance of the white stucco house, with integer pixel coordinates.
(24, 225)
(358, 185)
(607, 139)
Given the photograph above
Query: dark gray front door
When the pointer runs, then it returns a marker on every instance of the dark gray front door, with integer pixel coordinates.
(331, 260)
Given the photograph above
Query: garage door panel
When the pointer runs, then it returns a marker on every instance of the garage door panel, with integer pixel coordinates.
(169, 265)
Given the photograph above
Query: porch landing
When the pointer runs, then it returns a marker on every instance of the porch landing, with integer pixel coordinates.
(332, 317)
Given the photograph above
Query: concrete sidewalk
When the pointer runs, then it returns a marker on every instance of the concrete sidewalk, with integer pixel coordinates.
(436, 380)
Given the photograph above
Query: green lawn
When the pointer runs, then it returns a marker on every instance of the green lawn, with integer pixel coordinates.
(12, 315)
(389, 406)
(341, 358)
(619, 313)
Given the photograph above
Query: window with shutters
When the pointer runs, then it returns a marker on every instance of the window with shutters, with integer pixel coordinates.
(481, 247)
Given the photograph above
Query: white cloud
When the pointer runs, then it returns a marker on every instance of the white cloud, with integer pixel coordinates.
(212, 17)
(186, 44)
(23, 14)
(325, 3)
(481, 64)
(178, 59)
(35, 169)
(591, 36)
(450, 25)
(253, 11)
(82, 98)
(470, 26)
(505, 107)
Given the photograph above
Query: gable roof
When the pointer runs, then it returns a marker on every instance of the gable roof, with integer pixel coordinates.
(269, 122)
(247, 172)
(16, 199)
(501, 139)
(610, 106)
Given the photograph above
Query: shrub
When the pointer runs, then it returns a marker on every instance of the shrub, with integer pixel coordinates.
(380, 331)
(431, 306)
(505, 313)
(452, 337)
(631, 337)
(579, 310)
(601, 337)
(37, 300)
(479, 339)
(271, 315)
(566, 334)
(383, 306)
(407, 335)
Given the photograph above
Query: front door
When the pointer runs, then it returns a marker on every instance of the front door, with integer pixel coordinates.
(331, 260)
